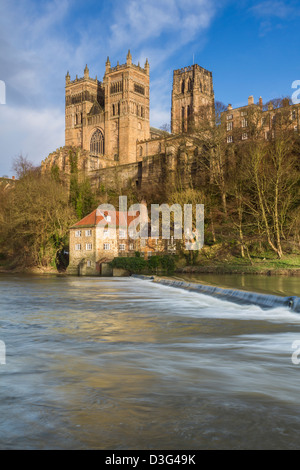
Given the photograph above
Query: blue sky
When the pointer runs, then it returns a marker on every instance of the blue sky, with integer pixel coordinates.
(252, 48)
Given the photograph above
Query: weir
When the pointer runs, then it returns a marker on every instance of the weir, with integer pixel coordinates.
(238, 296)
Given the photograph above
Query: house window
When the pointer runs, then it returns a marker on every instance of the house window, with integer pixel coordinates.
(77, 247)
(243, 113)
(244, 123)
(78, 233)
(122, 247)
(229, 116)
(88, 246)
(122, 234)
(229, 139)
(131, 247)
(89, 263)
(106, 246)
(229, 126)
(244, 136)
(88, 233)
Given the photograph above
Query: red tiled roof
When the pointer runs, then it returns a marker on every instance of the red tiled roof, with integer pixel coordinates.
(95, 217)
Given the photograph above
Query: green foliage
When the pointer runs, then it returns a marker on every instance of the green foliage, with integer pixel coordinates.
(164, 264)
(35, 221)
(132, 265)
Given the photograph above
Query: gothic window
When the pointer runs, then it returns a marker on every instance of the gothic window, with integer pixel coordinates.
(139, 89)
(183, 118)
(116, 87)
(113, 110)
(182, 86)
(190, 84)
(97, 143)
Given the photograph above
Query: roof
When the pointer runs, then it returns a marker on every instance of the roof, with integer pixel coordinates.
(95, 218)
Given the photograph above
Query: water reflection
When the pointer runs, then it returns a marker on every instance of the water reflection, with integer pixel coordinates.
(275, 285)
(126, 364)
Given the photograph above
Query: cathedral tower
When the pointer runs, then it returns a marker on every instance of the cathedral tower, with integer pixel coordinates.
(192, 98)
(126, 108)
(107, 119)
(82, 94)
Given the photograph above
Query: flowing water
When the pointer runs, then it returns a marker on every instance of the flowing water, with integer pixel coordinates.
(122, 363)
(274, 285)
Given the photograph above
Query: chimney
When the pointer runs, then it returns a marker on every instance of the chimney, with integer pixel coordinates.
(229, 107)
(13, 177)
(260, 102)
(250, 100)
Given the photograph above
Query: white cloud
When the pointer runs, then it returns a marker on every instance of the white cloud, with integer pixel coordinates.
(29, 132)
(278, 9)
(165, 24)
(40, 41)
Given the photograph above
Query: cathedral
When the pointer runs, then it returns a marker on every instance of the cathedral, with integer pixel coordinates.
(107, 124)
(108, 121)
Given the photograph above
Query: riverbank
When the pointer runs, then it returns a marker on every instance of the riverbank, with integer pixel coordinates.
(289, 265)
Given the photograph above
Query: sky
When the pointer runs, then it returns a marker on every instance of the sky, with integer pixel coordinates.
(251, 47)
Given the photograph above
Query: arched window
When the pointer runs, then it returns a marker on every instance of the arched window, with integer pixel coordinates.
(97, 143)
(113, 110)
(190, 84)
(182, 86)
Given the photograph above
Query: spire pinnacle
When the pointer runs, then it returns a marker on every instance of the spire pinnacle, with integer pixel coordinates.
(129, 58)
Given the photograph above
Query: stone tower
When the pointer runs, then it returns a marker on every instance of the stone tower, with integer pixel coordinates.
(107, 119)
(126, 108)
(82, 94)
(192, 98)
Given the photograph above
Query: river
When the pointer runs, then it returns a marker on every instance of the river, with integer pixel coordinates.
(122, 363)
